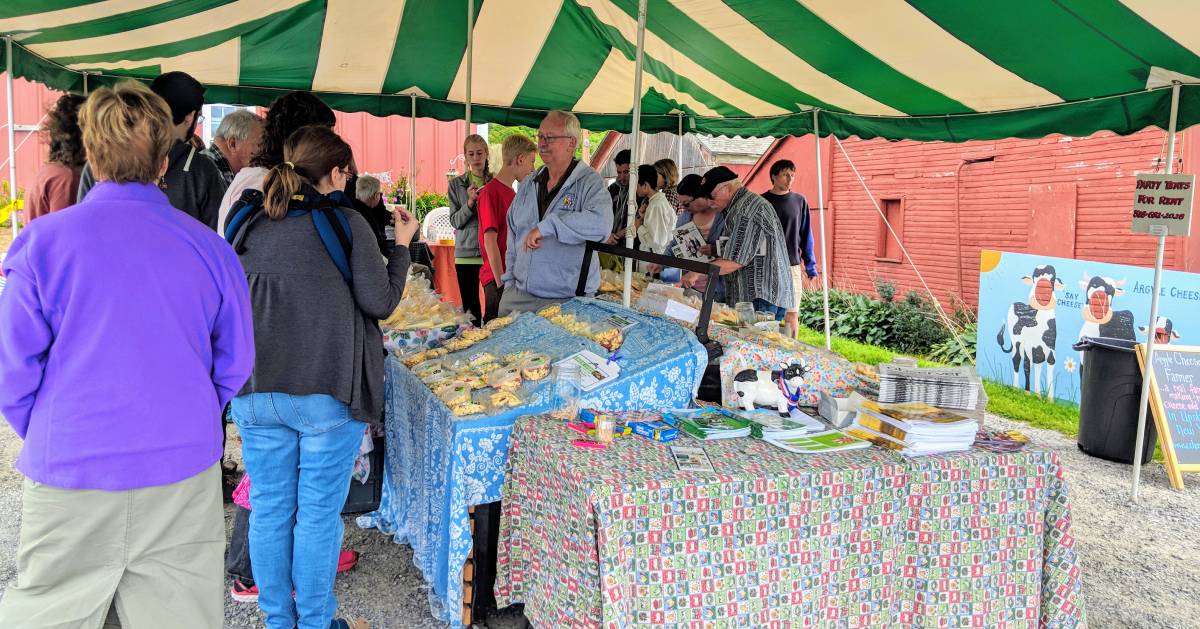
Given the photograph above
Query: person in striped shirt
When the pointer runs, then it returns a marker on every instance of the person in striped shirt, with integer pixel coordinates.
(754, 259)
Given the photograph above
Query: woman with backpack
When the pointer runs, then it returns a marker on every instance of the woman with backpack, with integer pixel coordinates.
(318, 287)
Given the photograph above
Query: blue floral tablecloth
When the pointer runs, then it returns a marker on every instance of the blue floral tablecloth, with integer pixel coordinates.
(438, 465)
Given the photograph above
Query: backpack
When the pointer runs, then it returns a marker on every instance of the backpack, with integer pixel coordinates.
(327, 217)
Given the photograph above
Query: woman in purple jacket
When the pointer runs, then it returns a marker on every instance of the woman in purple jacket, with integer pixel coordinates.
(124, 329)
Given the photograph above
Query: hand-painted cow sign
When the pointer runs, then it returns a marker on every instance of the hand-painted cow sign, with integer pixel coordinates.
(1164, 332)
(1032, 328)
(1023, 306)
(1099, 318)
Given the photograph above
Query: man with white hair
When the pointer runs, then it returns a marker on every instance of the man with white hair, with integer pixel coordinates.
(557, 210)
(369, 202)
(236, 139)
(754, 262)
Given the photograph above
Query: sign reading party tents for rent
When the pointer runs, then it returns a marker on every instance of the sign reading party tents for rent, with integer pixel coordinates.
(1163, 200)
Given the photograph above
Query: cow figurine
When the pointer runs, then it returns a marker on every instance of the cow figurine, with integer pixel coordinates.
(1099, 319)
(779, 389)
(1163, 332)
(1032, 328)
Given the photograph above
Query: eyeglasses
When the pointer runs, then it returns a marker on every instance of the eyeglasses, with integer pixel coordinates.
(546, 139)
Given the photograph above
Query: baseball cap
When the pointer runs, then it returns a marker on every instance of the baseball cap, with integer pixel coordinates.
(715, 177)
(183, 93)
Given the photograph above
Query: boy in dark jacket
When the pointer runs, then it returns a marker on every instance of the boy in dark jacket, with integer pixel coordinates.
(192, 183)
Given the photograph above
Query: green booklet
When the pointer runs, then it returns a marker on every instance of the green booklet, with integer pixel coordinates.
(708, 423)
(818, 443)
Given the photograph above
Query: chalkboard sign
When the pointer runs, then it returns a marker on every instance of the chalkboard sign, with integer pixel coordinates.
(1175, 402)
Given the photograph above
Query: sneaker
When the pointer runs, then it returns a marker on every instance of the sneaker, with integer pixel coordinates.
(243, 593)
(347, 559)
(354, 623)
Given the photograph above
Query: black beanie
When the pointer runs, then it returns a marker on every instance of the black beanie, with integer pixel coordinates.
(183, 93)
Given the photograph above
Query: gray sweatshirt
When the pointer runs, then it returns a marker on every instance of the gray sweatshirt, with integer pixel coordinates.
(313, 332)
(464, 218)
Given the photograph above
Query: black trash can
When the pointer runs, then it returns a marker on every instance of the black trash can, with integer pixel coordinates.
(1108, 408)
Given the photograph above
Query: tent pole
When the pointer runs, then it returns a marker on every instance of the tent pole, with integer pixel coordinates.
(1152, 326)
(821, 217)
(12, 137)
(470, 58)
(680, 164)
(85, 85)
(412, 156)
(637, 147)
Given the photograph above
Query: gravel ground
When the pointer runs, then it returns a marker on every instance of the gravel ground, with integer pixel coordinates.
(1139, 562)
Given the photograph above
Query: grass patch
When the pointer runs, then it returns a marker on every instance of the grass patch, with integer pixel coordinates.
(1006, 401)
(1003, 400)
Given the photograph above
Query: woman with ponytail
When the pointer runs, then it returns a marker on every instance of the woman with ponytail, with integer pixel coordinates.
(318, 287)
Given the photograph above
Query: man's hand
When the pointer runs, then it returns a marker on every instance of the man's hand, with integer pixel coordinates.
(791, 324)
(690, 278)
(534, 239)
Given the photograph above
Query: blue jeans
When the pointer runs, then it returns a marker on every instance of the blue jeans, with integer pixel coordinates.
(762, 305)
(299, 451)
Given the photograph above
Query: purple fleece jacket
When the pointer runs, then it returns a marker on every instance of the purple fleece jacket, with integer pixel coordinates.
(125, 327)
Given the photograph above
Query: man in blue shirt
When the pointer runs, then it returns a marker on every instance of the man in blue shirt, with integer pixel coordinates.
(792, 209)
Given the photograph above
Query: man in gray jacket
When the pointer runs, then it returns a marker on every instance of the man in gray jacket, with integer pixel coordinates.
(193, 184)
(557, 210)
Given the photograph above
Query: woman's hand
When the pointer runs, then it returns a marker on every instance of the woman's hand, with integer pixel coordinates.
(406, 226)
(472, 196)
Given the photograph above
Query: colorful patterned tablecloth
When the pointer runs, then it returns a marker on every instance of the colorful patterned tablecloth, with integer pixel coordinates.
(437, 465)
(746, 350)
(867, 538)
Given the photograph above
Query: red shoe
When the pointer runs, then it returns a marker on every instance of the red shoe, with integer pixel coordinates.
(347, 559)
(243, 593)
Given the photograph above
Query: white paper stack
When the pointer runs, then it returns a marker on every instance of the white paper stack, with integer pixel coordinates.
(943, 387)
(913, 428)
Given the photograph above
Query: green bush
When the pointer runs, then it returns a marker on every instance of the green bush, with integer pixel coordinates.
(958, 350)
(911, 325)
(426, 202)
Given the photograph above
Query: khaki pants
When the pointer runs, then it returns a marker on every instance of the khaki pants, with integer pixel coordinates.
(153, 554)
(797, 286)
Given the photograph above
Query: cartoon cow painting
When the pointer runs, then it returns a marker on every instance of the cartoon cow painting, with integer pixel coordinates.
(1031, 326)
(1099, 319)
(1163, 332)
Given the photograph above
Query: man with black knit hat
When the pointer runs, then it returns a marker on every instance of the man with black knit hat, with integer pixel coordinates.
(619, 191)
(754, 261)
(192, 183)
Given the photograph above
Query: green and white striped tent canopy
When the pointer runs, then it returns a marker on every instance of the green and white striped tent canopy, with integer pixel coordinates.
(921, 69)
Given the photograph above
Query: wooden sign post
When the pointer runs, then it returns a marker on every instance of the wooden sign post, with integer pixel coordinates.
(1174, 383)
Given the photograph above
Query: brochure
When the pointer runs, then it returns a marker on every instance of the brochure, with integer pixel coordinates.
(708, 423)
(691, 459)
(768, 424)
(593, 370)
(819, 443)
(688, 243)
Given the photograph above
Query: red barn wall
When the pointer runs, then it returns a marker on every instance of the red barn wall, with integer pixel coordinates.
(1061, 196)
